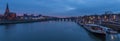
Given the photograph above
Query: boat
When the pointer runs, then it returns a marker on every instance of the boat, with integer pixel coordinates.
(98, 30)
(81, 24)
(95, 29)
(113, 25)
(111, 31)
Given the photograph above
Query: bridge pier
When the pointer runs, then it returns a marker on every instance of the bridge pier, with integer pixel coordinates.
(65, 19)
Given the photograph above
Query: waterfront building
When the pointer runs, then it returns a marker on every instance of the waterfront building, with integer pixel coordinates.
(29, 17)
(9, 15)
(105, 17)
(118, 17)
(39, 15)
(1, 17)
(25, 16)
(20, 18)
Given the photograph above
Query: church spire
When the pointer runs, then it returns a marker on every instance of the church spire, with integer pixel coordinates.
(7, 9)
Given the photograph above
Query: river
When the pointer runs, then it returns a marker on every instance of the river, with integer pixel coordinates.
(45, 31)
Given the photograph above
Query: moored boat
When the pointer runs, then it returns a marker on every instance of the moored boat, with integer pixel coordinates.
(113, 25)
(110, 31)
(98, 31)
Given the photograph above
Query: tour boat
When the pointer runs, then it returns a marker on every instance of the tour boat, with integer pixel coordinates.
(98, 30)
(95, 29)
(111, 31)
(113, 25)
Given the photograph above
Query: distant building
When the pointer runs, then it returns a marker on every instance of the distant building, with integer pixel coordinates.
(26, 16)
(1, 17)
(9, 15)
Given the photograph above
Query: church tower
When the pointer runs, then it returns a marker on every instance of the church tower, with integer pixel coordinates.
(7, 11)
(9, 15)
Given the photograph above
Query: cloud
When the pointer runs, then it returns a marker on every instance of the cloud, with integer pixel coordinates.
(62, 6)
(70, 8)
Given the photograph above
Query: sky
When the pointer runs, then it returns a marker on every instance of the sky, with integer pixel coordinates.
(61, 7)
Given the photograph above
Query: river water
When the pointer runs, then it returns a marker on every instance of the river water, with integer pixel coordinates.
(45, 31)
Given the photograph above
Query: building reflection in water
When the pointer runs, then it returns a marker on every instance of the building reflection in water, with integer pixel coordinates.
(9, 26)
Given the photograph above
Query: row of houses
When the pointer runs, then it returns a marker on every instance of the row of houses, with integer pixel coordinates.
(103, 17)
(8, 15)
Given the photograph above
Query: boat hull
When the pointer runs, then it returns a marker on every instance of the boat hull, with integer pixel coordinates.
(111, 25)
(101, 36)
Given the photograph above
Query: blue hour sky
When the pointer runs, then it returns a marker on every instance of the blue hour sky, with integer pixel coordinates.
(61, 7)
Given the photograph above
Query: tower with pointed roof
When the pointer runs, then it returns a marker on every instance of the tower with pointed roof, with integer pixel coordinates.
(7, 11)
(9, 15)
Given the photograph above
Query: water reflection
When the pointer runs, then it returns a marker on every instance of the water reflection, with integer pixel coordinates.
(91, 35)
(95, 37)
(46, 31)
(9, 26)
(112, 37)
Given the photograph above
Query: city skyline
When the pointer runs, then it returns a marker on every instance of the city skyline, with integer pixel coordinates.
(60, 7)
(59, 20)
